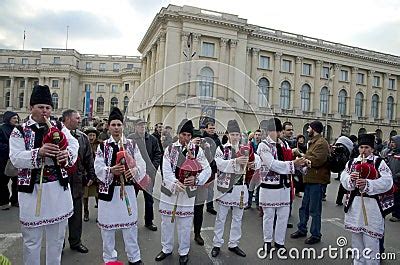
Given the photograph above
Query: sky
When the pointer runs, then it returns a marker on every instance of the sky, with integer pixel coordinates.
(116, 27)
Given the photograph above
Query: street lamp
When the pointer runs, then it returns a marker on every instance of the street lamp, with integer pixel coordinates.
(329, 76)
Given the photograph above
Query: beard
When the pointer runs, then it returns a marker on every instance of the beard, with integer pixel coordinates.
(311, 134)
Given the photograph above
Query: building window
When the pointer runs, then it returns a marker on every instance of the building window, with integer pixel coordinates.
(21, 100)
(325, 72)
(100, 88)
(7, 83)
(114, 89)
(305, 97)
(392, 83)
(87, 87)
(77, 64)
(207, 82)
(54, 98)
(126, 87)
(377, 81)
(100, 105)
(56, 60)
(264, 62)
(54, 83)
(88, 66)
(285, 95)
(22, 83)
(306, 69)
(102, 67)
(375, 106)
(11, 60)
(390, 108)
(323, 100)
(126, 103)
(342, 108)
(25, 61)
(286, 66)
(114, 102)
(7, 100)
(263, 92)
(360, 79)
(37, 61)
(129, 66)
(116, 67)
(359, 104)
(344, 75)
(207, 49)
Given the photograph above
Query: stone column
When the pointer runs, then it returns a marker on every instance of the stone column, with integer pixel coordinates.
(12, 92)
(249, 84)
(193, 70)
(196, 40)
(161, 66)
(182, 88)
(222, 71)
(353, 92)
(26, 93)
(148, 74)
(333, 103)
(317, 87)
(276, 88)
(297, 87)
(253, 75)
(152, 70)
(368, 95)
(232, 63)
(66, 93)
(383, 110)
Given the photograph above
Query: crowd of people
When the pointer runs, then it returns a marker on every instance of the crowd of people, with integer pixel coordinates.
(55, 168)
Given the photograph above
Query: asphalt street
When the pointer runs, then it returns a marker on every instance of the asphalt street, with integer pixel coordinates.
(332, 229)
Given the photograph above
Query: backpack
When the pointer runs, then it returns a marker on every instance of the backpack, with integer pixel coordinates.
(338, 158)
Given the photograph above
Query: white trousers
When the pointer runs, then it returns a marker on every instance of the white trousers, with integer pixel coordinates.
(32, 240)
(130, 240)
(282, 217)
(361, 241)
(184, 224)
(236, 226)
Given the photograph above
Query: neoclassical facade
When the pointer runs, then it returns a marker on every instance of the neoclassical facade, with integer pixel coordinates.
(71, 76)
(197, 61)
(247, 71)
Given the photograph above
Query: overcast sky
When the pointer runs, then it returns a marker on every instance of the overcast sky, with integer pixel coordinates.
(116, 27)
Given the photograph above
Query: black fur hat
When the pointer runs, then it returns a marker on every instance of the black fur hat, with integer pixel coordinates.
(185, 126)
(233, 126)
(41, 95)
(273, 124)
(115, 114)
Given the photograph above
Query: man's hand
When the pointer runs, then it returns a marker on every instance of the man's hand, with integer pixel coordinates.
(354, 176)
(251, 165)
(62, 157)
(361, 183)
(117, 169)
(130, 173)
(48, 149)
(196, 141)
(189, 181)
(179, 186)
(299, 161)
(243, 160)
(90, 183)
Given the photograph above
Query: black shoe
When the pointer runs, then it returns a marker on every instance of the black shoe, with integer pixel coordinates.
(247, 207)
(339, 203)
(80, 248)
(215, 251)
(139, 262)
(151, 227)
(289, 225)
(162, 256)
(183, 259)
(199, 240)
(212, 211)
(278, 246)
(96, 206)
(237, 251)
(86, 218)
(312, 240)
(298, 234)
(15, 204)
(267, 247)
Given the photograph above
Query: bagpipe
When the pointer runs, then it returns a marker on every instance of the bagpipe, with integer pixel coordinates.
(55, 136)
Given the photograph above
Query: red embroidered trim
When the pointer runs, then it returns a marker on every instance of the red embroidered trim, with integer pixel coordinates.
(47, 221)
(363, 230)
(178, 213)
(274, 204)
(117, 226)
(231, 203)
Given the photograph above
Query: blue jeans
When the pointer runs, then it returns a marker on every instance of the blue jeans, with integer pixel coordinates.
(311, 205)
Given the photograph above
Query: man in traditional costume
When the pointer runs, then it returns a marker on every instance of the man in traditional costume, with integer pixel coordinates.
(41, 160)
(117, 200)
(178, 190)
(275, 184)
(231, 188)
(367, 178)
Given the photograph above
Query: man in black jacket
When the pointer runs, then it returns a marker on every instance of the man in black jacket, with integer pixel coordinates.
(151, 153)
(10, 120)
(82, 170)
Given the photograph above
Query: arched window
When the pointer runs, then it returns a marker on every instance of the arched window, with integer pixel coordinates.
(342, 108)
(375, 106)
(390, 108)
(362, 131)
(114, 102)
(393, 133)
(378, 133)
(21, 100)
(323, 100)
(285, 95)
(207, 82)
(54, 98)
(359, 104)
(126, 103)
(305, 133)
(7, 100)
(305, 97)
(263, 92)
(100, 105)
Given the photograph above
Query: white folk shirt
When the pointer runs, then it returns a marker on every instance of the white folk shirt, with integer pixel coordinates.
(271, 170)
(354, 218)
(114, 214)
(185, 205)
(56, 202)
(227, 170)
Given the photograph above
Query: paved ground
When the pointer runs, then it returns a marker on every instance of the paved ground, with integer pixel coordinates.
(332, 228)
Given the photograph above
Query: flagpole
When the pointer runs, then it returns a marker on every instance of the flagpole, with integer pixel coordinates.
(23, 42)
(66, 42)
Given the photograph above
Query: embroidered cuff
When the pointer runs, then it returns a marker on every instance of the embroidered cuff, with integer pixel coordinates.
(36, 159)
(291, 167)
(70, 161)
(352, 184)
(367, 187)
(109, 176)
